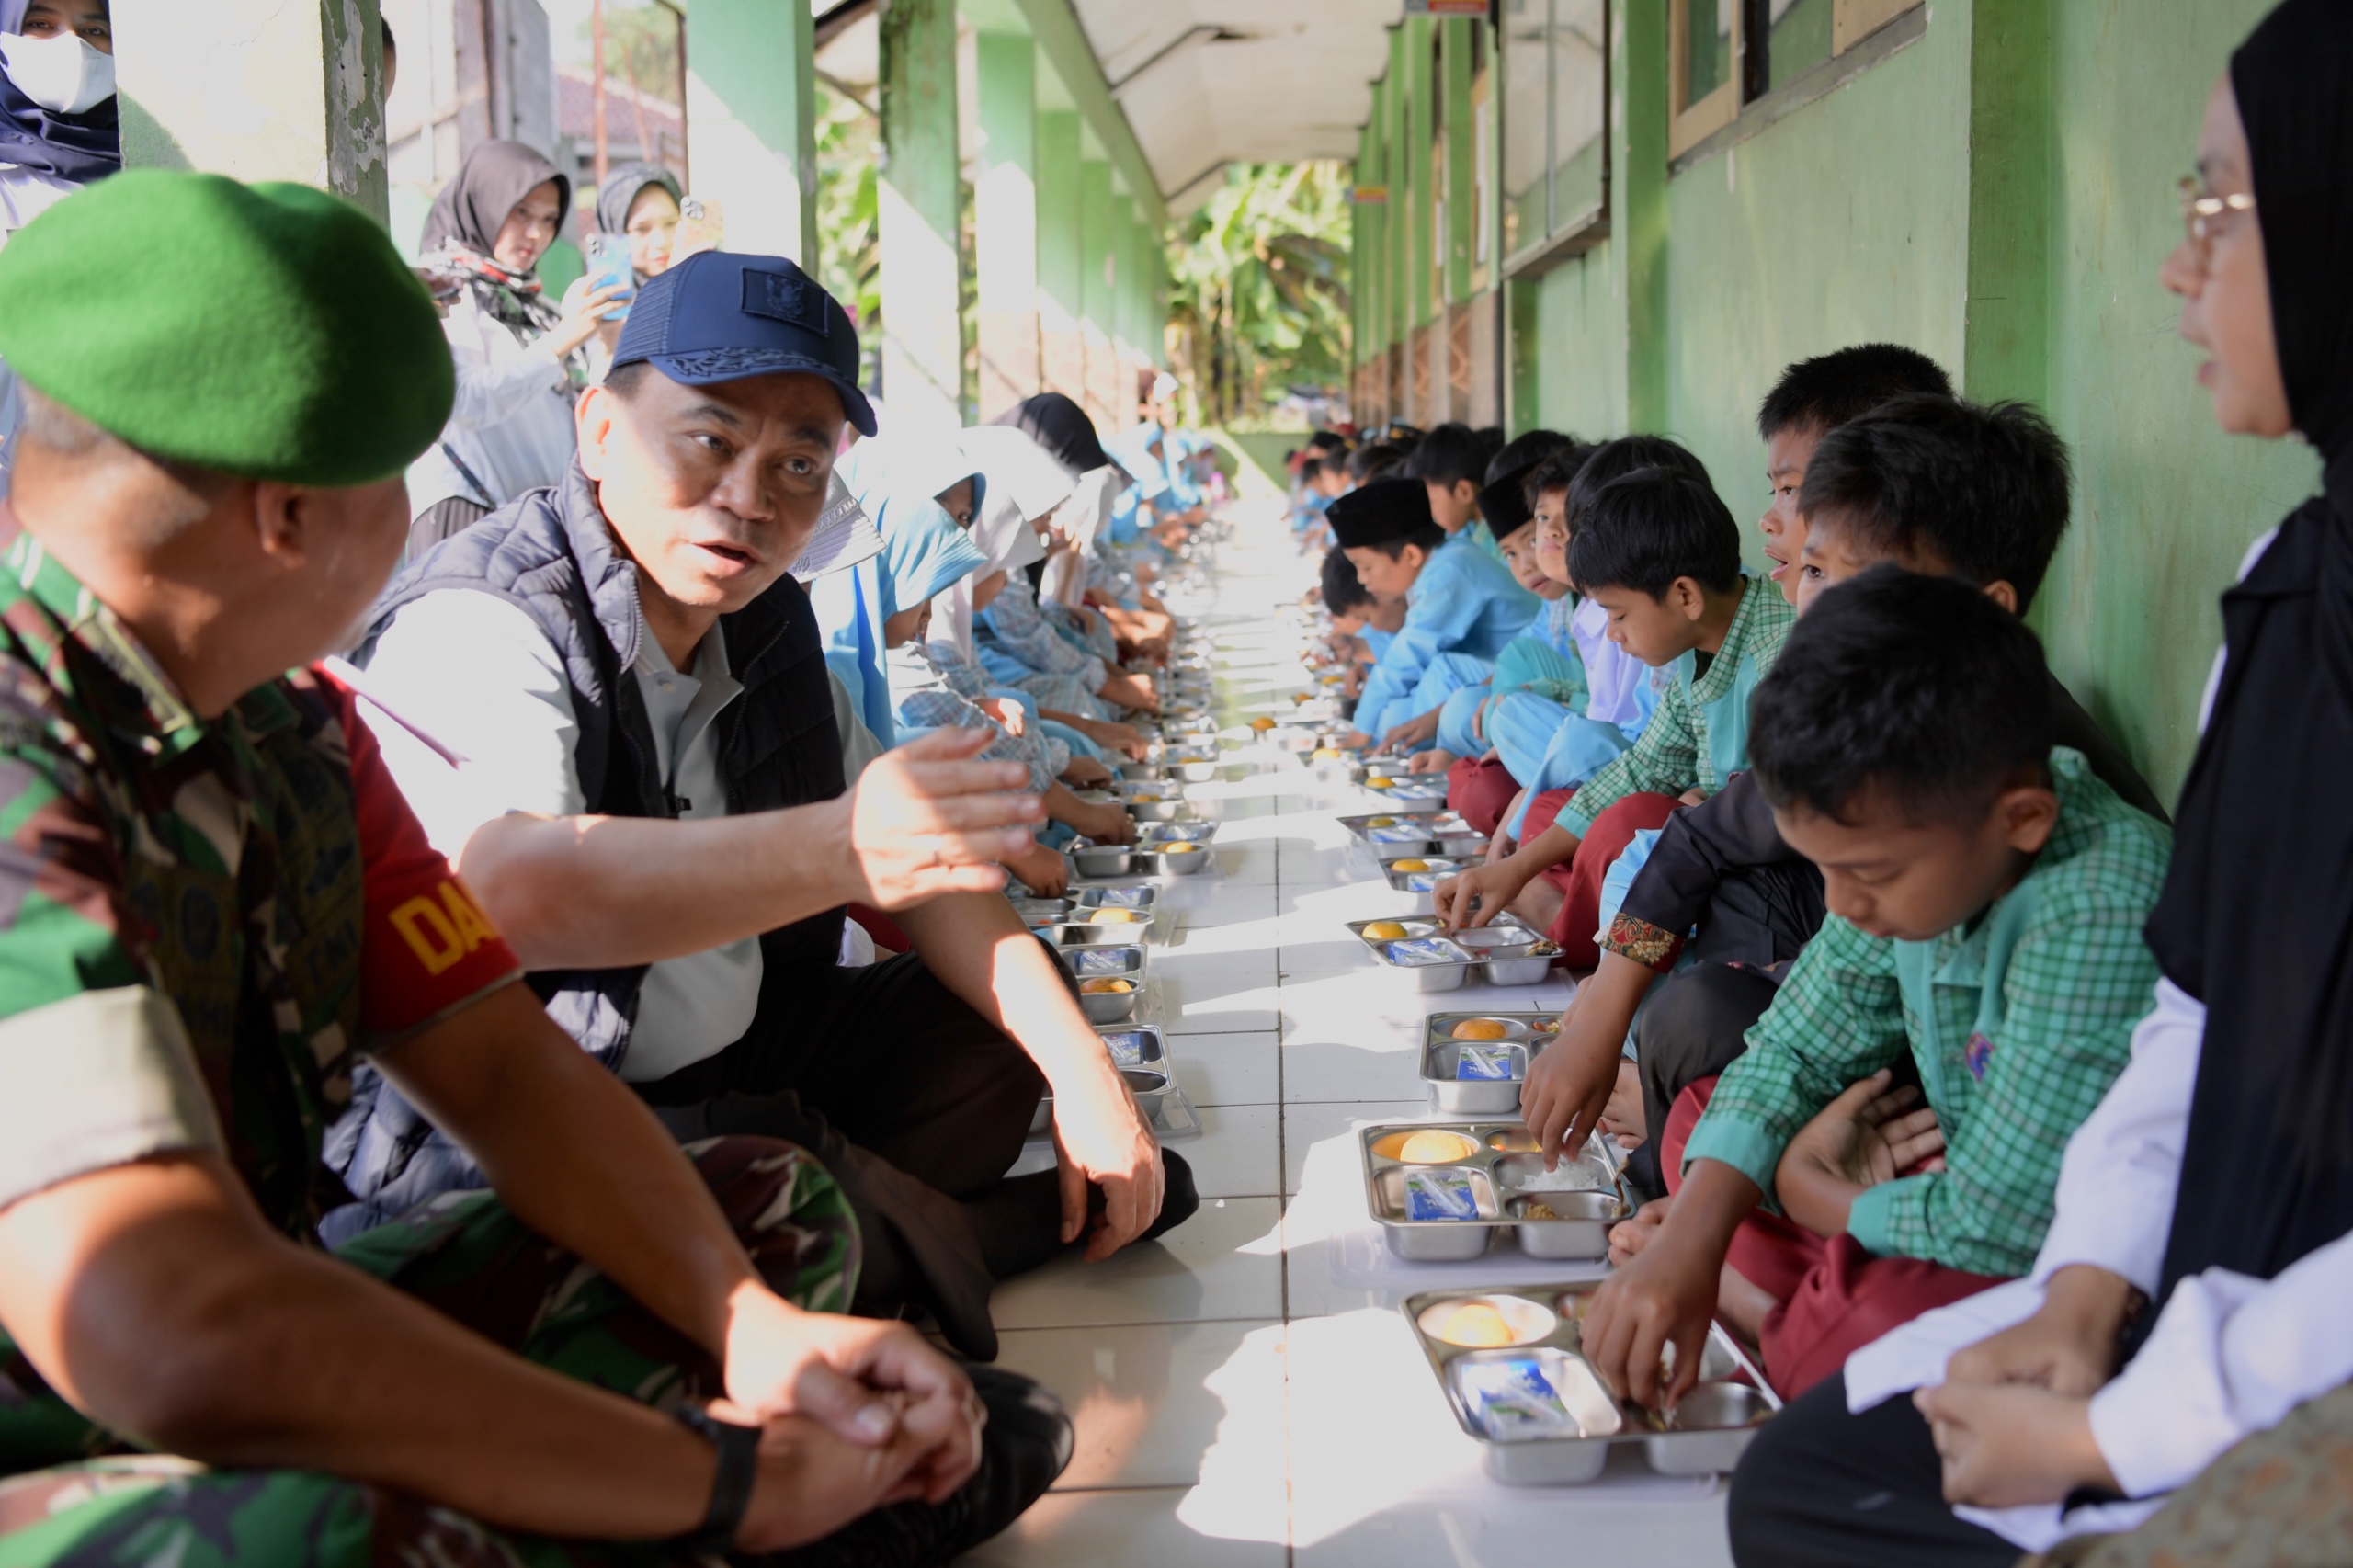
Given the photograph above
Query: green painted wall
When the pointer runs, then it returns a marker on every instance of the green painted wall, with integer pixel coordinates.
(1846, 223)
(1997, 194)
(2164, 505)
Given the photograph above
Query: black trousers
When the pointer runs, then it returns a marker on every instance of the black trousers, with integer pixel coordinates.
(1695, 1026)
(917, 1104)
(1820, 1488)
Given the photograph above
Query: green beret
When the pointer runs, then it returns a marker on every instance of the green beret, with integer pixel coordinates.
(266, 331)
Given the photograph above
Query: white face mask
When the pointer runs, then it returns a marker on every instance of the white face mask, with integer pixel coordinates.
(63, 74)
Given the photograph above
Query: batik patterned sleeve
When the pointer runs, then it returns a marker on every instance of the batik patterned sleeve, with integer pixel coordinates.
(2079, 980)
(1665, 760)
(1014, 620)
(95, 1066)
(1837, 1020)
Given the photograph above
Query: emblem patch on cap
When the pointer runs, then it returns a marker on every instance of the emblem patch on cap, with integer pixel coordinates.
(793, 300)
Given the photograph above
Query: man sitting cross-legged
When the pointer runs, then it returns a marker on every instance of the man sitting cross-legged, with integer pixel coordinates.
(212, 900)
(632, 754)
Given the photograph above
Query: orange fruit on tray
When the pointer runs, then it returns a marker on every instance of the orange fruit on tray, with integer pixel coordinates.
(1477, 1325)
(1262, 723)
(1480, 1029)
(1379, 781)
(1385, 931)
(1409, 864)
(1107, 987)
(1115, 917)
(1430, 1147)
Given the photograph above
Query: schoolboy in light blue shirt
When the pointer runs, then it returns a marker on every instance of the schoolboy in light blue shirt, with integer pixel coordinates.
(1459, 601)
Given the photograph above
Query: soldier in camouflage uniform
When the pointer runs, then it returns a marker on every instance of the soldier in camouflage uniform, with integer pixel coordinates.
(213, 903)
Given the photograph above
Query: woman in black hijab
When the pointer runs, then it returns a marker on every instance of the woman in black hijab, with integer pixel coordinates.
(518, 357)
(2168, 1319)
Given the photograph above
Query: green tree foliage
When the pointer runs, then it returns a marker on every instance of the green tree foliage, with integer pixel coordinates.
(850, 233)
(1258, 299)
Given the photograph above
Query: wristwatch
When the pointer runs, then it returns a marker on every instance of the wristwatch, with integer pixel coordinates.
(730, 1488)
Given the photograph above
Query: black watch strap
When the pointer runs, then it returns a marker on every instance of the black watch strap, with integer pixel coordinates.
(730, 1488)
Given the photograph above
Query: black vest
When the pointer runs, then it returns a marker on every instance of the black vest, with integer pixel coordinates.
(551, 554)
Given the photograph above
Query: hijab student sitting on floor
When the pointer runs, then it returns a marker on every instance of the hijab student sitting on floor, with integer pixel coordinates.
(2187, 1312)
(647, 790)
(925, 550)
(1025, 481)
(519, 359)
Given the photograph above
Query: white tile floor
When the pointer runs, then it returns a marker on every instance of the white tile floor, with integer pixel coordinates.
(1246, 1391)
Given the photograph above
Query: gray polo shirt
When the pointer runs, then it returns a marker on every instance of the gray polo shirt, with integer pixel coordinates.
(485, 726)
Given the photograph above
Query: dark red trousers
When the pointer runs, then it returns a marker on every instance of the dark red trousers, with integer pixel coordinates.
(1580, 879)
(1480, 792)
(1834, 1296)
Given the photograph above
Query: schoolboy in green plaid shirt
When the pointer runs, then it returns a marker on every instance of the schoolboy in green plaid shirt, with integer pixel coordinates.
(1986, 895)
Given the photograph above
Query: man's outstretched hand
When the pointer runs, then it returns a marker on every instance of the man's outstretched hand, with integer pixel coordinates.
(929, 818)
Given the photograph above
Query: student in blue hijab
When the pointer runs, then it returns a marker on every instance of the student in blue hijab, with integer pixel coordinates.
(892, 480)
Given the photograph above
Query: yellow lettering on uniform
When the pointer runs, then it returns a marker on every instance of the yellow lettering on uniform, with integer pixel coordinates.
(472, 926)
(428, 934)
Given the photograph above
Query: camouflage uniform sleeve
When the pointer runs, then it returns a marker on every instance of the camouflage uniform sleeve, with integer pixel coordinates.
(95, 1068)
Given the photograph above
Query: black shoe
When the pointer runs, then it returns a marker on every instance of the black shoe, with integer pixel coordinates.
(1025, 1445)
(1181, 1199)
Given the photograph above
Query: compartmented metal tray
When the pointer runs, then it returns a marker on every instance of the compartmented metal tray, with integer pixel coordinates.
(1542, 1417)
(1121, 961)
(1140, 1053)
(1403, 786)
(1522, 1037)
(1390, 834)
(1508, 951)
(1446, 1207)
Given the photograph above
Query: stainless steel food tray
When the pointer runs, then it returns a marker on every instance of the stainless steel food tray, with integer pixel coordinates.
(1499, 1159)
(1526, 1033)
(1522, 961)
(1712, 1424)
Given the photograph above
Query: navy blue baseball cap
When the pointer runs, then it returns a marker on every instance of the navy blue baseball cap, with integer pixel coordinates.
(717, 317)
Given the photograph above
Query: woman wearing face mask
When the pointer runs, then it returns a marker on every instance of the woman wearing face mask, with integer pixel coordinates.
(2184, 1325)
(520, 361)
(57, 126)
(57, 105)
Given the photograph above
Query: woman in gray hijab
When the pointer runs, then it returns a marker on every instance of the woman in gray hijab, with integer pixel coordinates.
(641, 202)
(518, 357)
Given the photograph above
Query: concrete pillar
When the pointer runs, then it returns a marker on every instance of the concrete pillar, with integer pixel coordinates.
(1062, 301)
(1461, 146)
(1006, 220)
(1127, 288)
(923, 343)
(751, 120)
(1098, 264)
(1397, 294)
(256, 89)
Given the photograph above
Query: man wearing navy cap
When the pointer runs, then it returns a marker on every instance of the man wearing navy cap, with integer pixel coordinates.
(608, 701)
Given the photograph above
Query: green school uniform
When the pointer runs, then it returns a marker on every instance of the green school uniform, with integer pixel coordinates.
(2018, 1021)
(1699, 734)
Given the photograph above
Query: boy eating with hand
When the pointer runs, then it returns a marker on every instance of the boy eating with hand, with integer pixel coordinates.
(1660, 553)
(1986, 895)
(1723, 903)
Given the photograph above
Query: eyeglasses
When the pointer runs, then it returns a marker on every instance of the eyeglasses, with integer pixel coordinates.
(2202, 215)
